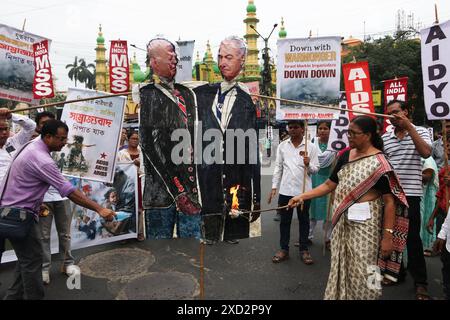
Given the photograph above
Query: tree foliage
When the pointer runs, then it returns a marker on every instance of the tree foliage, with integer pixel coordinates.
(80, 71)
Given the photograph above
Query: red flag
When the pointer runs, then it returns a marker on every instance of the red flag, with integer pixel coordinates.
(395, 89)
(43, 82)
(357, 87)
(119, 68)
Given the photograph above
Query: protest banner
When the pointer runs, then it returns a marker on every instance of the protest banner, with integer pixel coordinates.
(308, 70)
(43, 82)
(93, 140)
(119, 68)
(184, 67)
(17, 64)
(339, 128)
(357, 87)
(87, 227)
(435, 45)
(395, 89)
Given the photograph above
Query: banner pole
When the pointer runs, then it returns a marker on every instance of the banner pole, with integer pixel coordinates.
(324, 107)
(444, 141)
(202, 270)
(305, 172)
(436, 13)
(72, 101)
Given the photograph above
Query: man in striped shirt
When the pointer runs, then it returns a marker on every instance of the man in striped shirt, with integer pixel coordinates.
(404, 146)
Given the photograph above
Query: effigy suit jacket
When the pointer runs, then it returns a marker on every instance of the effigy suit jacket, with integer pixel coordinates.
(219, 178)
(160, 115)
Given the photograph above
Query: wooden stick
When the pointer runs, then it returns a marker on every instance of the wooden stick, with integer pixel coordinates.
(267, 210)
(202, 270)
(72, 101)
(324, 107)
(436, 13)
(444, 141)
(305, 172)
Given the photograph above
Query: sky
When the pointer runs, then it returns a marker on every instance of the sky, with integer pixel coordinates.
(73, 25)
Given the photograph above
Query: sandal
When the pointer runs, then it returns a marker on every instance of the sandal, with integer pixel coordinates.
(280, 256)
(389, 283)
(422, 293)
(140, 237)
(306, 257)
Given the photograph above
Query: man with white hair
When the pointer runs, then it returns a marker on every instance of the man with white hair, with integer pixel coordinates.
(227, 107)
(170, 194)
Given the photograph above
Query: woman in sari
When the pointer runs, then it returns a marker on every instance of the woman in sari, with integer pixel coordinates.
(369, 222)
(319, 206)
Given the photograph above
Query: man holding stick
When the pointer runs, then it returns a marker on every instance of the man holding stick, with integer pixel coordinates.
(22, 191)
(292, 176)
(404, 146)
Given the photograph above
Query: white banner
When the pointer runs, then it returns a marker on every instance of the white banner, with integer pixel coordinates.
(17, 64)
(87, 227)
(339, 128)
(94, 133)
(308, 70)
(184, 68)
(435, 46)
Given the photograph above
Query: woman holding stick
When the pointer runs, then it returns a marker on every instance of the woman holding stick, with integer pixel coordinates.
(368, 216)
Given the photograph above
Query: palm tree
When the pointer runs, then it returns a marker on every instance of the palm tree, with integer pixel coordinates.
(73, 72)
(79, 71)
(85, 75)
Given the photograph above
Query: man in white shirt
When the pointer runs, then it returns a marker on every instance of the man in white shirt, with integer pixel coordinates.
(10, 144)
(291, 166)
(442, 245)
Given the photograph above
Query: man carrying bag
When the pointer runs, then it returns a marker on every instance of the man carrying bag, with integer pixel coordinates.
(22, 191)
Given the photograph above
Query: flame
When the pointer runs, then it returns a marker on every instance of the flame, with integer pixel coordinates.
(235, 201)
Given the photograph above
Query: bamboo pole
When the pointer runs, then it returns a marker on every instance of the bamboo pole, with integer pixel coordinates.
(324, 107)
(202, 270)
(436, 13)
(72, 101)
(444, 141)
(267, 210)
(305, 172)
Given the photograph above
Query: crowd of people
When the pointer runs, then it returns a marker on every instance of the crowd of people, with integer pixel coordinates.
(380, 200)
(380, 197)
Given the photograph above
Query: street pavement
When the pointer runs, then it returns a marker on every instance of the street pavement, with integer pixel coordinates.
(169, 269)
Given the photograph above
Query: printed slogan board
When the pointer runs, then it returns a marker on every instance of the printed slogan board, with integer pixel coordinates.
(435, 46)
(17, 65)
(308, 70)
(93, 141)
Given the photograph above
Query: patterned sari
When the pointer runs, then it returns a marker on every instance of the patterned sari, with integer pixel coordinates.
(355, 246)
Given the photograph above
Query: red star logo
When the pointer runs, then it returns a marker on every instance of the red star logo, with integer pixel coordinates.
(103, 155)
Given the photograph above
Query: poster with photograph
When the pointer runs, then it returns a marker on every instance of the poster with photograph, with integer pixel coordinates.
(94, 133)
(308, 70)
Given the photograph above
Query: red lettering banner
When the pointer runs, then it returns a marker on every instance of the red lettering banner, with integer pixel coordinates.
(357, 87)
(43, 82)
(119, 68)
(395, 89)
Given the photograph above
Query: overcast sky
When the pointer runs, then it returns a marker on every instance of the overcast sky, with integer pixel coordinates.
(73, 25)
